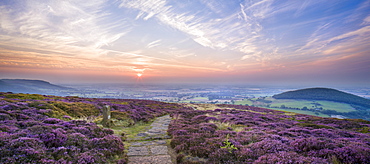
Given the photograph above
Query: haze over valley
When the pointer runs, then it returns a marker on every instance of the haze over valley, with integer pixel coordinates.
(333, 104)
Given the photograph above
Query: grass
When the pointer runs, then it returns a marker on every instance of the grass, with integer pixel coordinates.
(292, 103)
(200, 98)
(326, 105)
(23, 96)
(118, 102)
(243, 102)
(132, 131)
(339, 107)
(301, 112)
(226, 125)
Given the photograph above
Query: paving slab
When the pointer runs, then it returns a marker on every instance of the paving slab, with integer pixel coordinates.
(138, 151)
(159, 159)
(155, 151)
(159, 150)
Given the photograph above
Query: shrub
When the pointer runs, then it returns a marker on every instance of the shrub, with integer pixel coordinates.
(25, 96)
(284, 157)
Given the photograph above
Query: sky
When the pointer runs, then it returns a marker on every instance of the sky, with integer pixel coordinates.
(169, 41)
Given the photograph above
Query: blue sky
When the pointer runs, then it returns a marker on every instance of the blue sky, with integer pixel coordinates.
(191, 40)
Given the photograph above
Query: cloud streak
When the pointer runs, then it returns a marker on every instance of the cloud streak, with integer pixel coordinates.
(154, 44)
(230, 32)
(60, 24)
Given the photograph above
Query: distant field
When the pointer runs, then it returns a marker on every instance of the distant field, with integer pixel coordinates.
(302, 112)
(326, 105)
(339, 107)
(272, 103)
(243, 102)
(196, 100)
(292, 103)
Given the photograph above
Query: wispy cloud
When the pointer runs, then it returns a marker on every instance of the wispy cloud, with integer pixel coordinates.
(62, 25)
(159, 35)
(154, 44)
(366, 21)
(364, 31)
(361, 10)
(238, 31)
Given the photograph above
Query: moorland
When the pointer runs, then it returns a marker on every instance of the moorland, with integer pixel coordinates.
(51, 129)
(339, 103)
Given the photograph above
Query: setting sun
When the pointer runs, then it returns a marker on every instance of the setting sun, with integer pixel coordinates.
(139, 74)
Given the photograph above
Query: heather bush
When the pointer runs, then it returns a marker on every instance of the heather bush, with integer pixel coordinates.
(23, 150)
(222, 156)
(109, 145)
(208, 119)
(90, 157)
(46, 131)
(263, 136)
(55, 138)
(284, 157)
(52, 121)
(28, 135)
(5, 116)
(200, 151)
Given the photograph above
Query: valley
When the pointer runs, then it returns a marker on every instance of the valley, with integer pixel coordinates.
(249, 95)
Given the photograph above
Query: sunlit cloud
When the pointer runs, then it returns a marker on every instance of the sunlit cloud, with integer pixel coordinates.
(59, 25)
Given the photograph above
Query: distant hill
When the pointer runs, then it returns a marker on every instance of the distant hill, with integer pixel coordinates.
(324, 94)
(31, 86)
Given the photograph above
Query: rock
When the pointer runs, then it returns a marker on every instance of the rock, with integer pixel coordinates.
(138, 151)
(159, 159)
(159, 150)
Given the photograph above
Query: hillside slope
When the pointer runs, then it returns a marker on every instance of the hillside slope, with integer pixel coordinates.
(30, 86)
(51, 129)
(324, 94)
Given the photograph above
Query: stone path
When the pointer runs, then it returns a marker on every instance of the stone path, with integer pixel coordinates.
(150, 147)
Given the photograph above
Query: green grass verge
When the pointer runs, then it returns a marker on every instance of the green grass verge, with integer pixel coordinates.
(132, 131)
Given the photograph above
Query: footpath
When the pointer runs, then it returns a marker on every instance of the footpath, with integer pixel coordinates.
(150, 147)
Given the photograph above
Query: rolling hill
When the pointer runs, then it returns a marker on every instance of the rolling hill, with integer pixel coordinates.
(327, 94)
(31, 86)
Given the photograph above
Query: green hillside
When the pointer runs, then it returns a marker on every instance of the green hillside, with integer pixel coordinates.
(324, 94)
